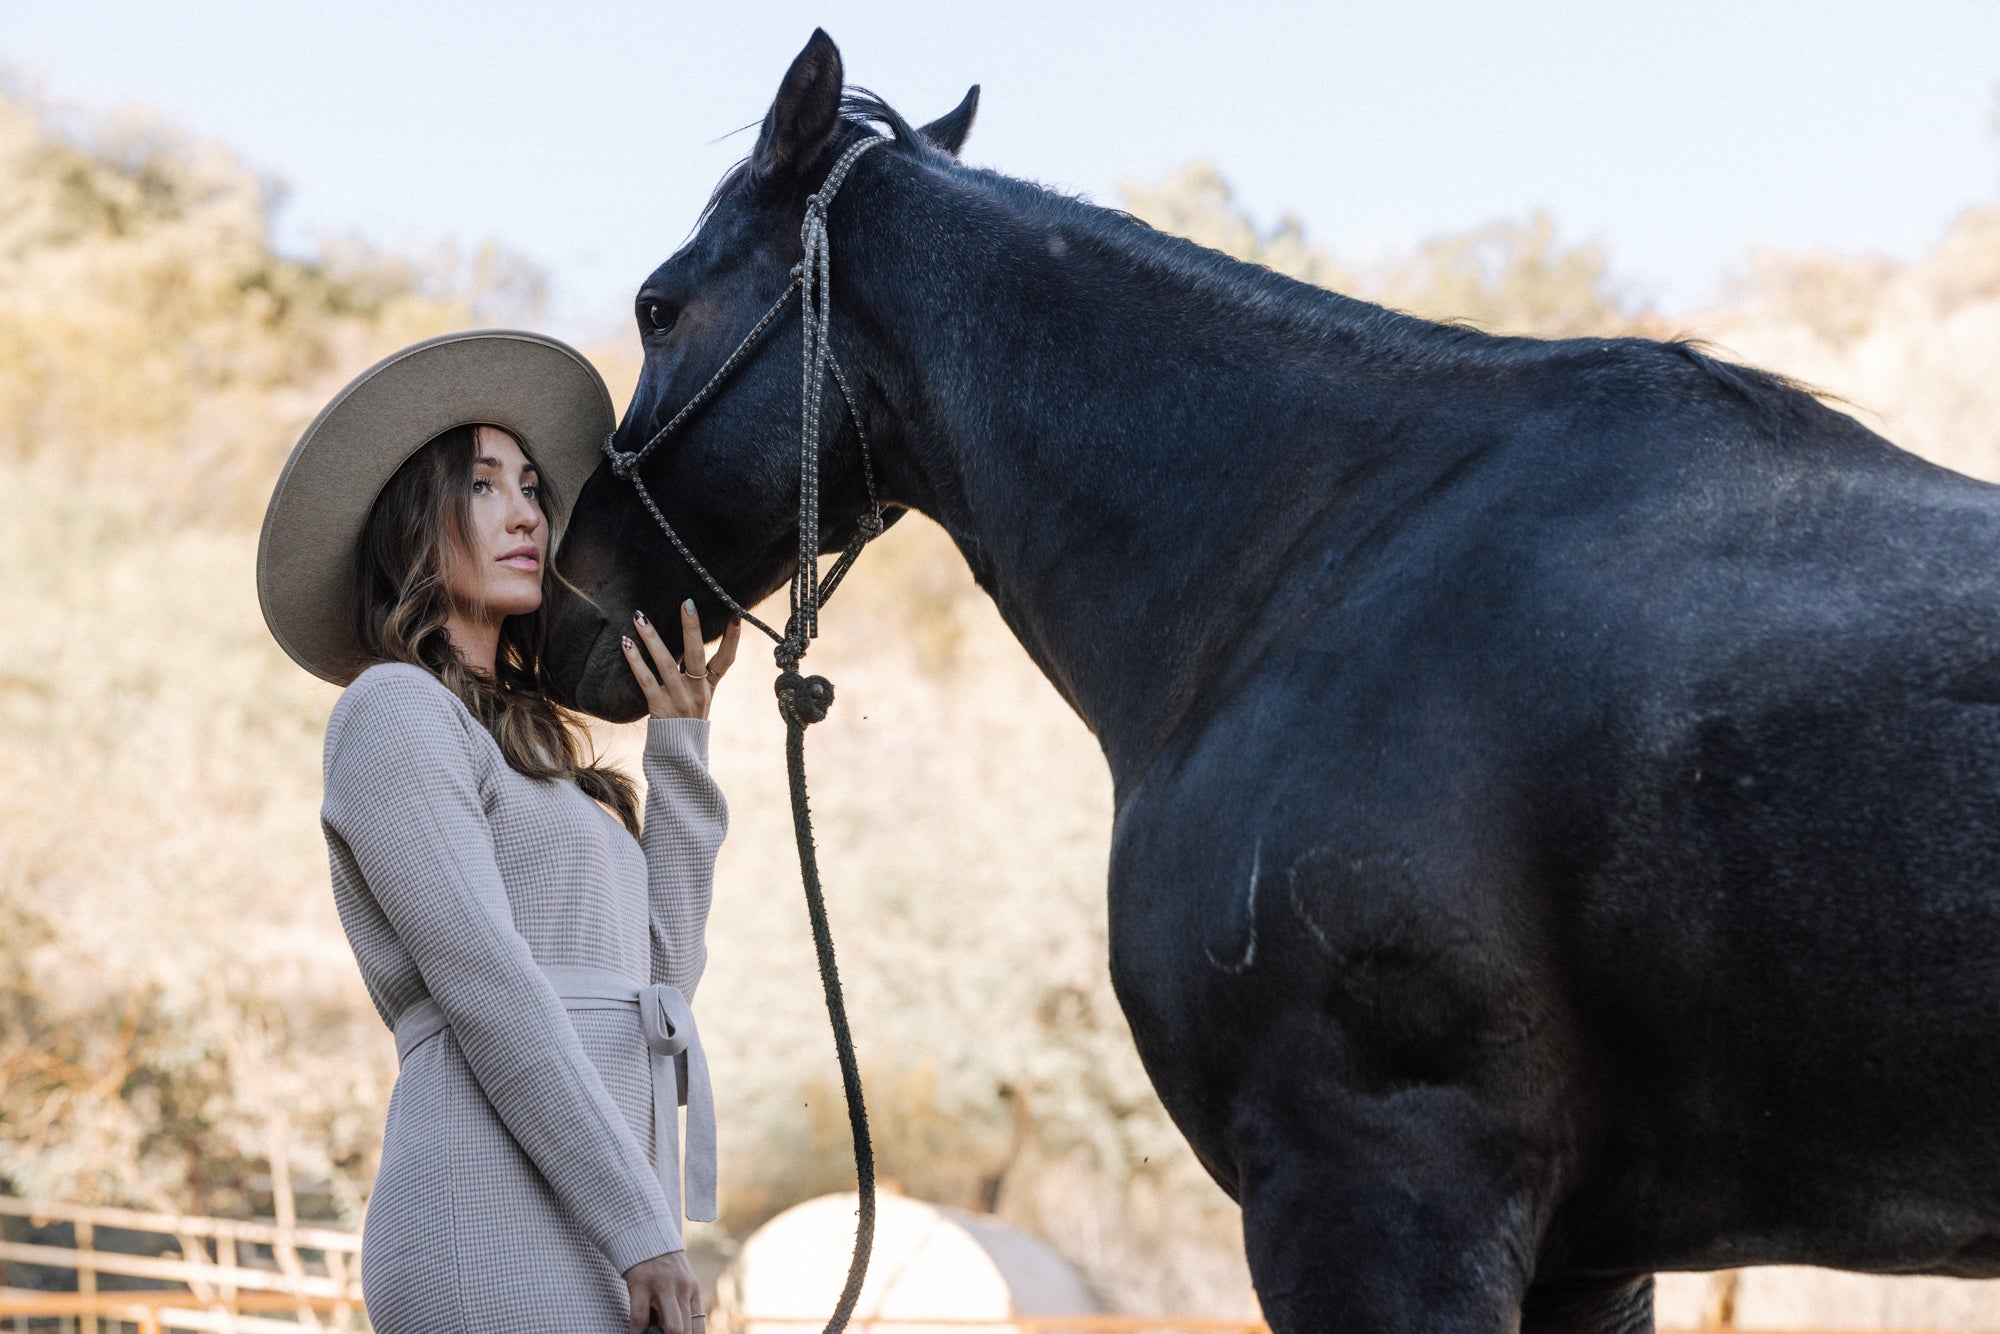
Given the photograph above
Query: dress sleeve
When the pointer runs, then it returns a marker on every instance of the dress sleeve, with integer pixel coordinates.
(686, 818)
(403, 794)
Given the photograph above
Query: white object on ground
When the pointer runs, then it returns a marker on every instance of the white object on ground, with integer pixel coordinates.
(929, 1263)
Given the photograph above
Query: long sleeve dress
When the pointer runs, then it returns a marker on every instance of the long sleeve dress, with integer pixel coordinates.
(518, 1176)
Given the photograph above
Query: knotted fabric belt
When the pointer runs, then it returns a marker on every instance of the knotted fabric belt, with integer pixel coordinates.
(679, 1069)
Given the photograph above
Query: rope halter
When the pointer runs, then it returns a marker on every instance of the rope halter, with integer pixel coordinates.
(803, 700)
(812, 279)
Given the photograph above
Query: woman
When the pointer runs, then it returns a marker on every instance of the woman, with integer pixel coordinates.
(530, 942)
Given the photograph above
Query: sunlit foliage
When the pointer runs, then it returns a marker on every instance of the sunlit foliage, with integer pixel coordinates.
(178, 1007)
(150, 334)
(1506, 277)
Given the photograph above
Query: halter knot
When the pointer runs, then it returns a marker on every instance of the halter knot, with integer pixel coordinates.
(622, 464)
(804, 699)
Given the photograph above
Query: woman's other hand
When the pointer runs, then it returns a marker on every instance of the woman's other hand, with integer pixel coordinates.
(683, 688)
(665, 1292)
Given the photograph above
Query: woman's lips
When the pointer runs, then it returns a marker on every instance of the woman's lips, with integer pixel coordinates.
(522, 558)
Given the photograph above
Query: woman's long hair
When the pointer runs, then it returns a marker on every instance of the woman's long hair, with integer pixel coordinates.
(422, 521)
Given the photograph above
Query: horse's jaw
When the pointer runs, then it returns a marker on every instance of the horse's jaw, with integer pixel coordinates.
(584, 664)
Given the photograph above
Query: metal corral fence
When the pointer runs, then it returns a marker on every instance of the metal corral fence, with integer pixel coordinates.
(127, 1271)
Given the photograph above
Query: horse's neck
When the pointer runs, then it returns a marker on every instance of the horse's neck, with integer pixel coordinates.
(1091, 441)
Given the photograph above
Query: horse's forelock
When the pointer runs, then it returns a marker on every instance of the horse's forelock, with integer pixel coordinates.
(730, 180)
(858, 106)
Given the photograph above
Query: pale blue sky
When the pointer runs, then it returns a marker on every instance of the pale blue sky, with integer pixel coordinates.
(585, 135)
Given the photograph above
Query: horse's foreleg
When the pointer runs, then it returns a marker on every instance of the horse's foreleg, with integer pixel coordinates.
(1397, 1219)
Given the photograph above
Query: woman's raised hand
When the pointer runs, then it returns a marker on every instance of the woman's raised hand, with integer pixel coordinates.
(665, 1294)
(683, 688)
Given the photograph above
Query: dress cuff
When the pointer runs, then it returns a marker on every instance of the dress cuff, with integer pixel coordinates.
(642, 1241)
(671, 737)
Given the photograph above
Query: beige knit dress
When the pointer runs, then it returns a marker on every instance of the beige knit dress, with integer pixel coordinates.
(518, 1175)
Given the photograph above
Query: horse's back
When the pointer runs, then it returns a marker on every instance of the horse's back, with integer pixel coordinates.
(1781, 898)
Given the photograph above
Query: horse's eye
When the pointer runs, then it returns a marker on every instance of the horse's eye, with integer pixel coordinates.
(660, 318)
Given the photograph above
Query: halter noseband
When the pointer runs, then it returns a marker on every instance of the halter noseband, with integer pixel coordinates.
(812, 279)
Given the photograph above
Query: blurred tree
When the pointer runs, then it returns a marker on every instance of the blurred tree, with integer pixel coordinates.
(1506, 277)
(1200, 204)
(149, 329)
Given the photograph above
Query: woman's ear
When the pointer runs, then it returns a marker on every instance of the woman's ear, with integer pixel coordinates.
(806, 112)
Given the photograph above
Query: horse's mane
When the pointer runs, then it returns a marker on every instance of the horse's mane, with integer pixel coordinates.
(1315, 312)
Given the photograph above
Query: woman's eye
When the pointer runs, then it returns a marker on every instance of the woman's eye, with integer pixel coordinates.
(531, 491)
(479, 484)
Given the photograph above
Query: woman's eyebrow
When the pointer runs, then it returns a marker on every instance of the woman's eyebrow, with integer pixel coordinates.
(483, 461)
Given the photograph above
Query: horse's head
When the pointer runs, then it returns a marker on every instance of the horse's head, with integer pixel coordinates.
(728, 478)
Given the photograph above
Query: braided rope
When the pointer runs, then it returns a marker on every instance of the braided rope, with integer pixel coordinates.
(812, 279)
(803, 700)
(816, 310)
(627, 465)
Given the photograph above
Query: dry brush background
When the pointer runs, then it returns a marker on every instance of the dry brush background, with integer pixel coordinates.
(178, 1008)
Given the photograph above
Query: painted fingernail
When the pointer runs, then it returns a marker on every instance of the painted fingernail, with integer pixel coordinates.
(688, 606)
(640, 617)
(626, 640)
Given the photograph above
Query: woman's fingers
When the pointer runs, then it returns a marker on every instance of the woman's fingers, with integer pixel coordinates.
(649, 684)
(645, 1304)
(657, 1299)
(676, 678)
(694, 658)
(663, 660)
(683, 688)
(694, 1319)
(676, 694)
(725, 655)
(666, 1294)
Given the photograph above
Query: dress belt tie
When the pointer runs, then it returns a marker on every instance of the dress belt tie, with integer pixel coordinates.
(679, 1070)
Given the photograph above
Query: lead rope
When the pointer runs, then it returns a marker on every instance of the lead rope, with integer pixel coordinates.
(804, 700)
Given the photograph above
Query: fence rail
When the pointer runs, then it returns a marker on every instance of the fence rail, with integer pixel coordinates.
(172, 1312)
(218, 1280)
(1136, 1324)
(314, 1279)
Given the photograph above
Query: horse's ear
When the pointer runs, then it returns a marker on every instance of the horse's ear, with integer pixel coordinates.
(806, 111)
(949, 130)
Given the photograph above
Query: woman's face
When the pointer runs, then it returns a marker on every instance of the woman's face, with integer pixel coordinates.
(501, 574)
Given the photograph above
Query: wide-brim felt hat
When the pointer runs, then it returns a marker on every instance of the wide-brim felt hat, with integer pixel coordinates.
(543, 391)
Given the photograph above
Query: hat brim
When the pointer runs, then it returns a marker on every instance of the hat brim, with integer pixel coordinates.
(542, 390)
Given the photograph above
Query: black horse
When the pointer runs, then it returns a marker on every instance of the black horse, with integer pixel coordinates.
(1558, 783)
